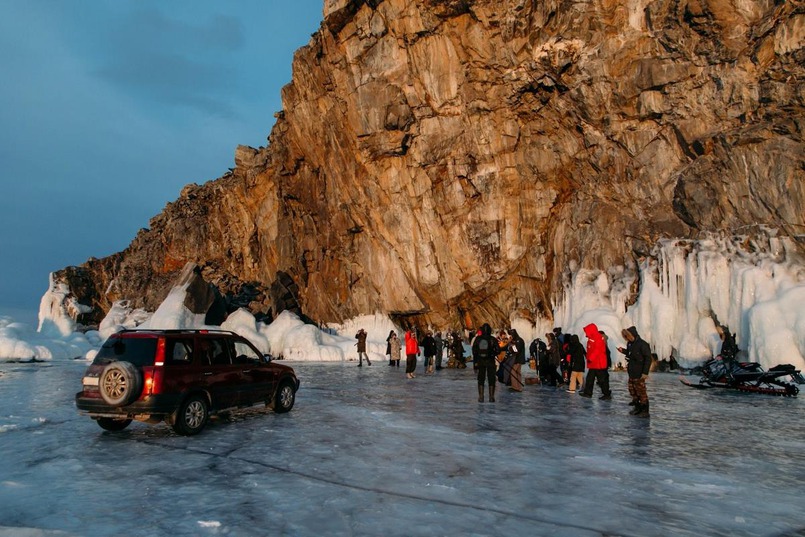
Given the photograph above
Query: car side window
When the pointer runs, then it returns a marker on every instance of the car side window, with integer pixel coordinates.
(219, 352)
(180, 351)
(244, 354)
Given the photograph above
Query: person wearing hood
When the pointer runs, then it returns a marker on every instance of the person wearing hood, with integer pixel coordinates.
(517, 352)
(484, 351)
(396, 348)
(596, 363)
(388, 347)
(577, 357)
(638, 364)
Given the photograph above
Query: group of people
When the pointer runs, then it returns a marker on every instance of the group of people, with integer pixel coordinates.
(561, 360)
(433, 349)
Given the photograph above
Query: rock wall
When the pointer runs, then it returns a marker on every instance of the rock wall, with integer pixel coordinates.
(449, 161)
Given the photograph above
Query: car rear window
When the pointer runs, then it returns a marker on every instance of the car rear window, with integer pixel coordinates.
(139, 351)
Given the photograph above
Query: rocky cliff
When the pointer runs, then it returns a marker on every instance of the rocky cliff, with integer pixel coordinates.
(451, 161)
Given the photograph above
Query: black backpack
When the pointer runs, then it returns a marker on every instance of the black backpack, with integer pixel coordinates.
(484, 348)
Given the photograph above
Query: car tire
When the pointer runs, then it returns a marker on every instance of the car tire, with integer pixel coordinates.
(112, 424)
(192, 416)
(120, 383)
(285, 397)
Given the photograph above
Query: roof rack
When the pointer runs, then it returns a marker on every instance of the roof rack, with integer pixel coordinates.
(180, 331)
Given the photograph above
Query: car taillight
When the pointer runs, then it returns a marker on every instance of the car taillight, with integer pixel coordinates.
(159, 359)
(152, 380)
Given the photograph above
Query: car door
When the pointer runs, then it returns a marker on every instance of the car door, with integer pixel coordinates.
(259, 380)
(219, 375)
(181, 373)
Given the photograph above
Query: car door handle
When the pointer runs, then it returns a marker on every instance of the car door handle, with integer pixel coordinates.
(246, 371)
(207, 373)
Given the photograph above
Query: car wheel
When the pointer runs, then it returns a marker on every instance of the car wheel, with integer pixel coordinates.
(111, 424)
(285, 397)
(120, 383)
(192, 416)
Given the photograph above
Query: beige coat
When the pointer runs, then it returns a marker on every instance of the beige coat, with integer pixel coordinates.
(396, 348)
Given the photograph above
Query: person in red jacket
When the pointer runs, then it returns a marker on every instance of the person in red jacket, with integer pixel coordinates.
(411, 352)
(596, 363)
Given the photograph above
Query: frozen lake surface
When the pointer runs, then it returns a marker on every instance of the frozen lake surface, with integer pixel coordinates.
(367, 452)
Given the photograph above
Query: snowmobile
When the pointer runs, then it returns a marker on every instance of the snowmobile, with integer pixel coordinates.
(748, 377)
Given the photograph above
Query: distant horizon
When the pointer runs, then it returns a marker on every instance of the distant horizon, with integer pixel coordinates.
(21, 315)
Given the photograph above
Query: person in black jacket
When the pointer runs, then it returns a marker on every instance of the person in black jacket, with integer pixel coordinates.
(429, 350)
(484, 351)
(388, 347)
(458, 351)
(729, 349)
(539, 353)
(553, 376)
(439, 349)
(578, 359)
(638, 358)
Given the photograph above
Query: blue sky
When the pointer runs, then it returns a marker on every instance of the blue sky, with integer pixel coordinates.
(108, 108)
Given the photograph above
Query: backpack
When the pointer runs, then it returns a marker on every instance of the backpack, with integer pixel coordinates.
(484, 349)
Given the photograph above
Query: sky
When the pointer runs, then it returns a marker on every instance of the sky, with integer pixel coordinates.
(108, 108)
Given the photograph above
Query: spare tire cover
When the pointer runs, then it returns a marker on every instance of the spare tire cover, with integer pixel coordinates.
(120, 383)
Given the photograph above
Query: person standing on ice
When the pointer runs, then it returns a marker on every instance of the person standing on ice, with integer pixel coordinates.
(517, 351)
(484, 350)
(638, 364)
(439, 349)
(554, 360)
(388, 347)
(577, 357)
(458, 351)
(395, 348)
(606, 346)
(411, 352)
(429, 348)
(596, 363)
(361, 337)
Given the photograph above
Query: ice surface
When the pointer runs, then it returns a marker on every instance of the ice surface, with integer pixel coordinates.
(367, 452)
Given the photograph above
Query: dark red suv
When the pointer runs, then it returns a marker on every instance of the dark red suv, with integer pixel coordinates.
(180, 377)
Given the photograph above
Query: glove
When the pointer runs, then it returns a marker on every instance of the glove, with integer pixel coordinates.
(644, 377)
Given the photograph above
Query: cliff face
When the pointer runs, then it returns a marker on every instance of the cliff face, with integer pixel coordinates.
(449, 161)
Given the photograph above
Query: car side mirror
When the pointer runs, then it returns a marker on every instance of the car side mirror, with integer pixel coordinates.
(268, 357)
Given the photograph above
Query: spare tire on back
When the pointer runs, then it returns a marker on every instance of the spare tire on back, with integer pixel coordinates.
(120, 383)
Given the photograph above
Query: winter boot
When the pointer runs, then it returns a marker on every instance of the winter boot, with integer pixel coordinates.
(638, 408)
(643, 411)
(633, 403)
(480, 393)
(491, 393)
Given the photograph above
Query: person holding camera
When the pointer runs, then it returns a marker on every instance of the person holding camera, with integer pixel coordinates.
(638, 364)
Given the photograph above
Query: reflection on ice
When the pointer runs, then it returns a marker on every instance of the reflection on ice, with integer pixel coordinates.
(367, 452)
